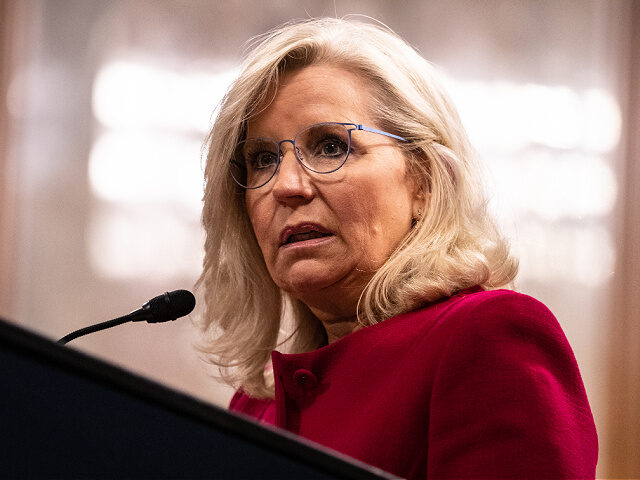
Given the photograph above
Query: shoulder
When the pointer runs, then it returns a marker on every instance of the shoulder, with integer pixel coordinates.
(486, 304)
(493, 313)
(501, 326)
(507, 375)
(502, 303)
(481, 317)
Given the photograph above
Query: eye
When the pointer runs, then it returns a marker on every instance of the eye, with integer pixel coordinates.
(259, 154)
(330, 147)
(263, 159)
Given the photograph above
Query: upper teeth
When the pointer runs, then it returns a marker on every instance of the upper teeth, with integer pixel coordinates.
(299, 237)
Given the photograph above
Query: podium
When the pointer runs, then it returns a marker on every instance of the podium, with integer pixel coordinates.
(66, 414)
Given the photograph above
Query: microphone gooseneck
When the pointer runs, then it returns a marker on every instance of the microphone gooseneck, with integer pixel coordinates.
(163, 308)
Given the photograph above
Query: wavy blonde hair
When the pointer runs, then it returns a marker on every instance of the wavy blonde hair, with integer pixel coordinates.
(454, 245)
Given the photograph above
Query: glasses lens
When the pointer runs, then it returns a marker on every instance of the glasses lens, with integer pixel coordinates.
(323, 148)
(255, 162)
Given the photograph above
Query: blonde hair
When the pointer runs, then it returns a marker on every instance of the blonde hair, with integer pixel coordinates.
(454, 245)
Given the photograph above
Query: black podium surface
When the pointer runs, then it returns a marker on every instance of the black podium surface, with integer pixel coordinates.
(68, 415)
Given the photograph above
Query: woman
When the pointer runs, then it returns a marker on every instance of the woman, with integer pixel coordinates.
(342, 208)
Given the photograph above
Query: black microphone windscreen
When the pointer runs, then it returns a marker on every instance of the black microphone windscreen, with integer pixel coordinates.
(170, 305)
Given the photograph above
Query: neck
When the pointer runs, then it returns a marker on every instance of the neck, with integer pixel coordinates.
(337, 327)
(335, 308)
(336, 331)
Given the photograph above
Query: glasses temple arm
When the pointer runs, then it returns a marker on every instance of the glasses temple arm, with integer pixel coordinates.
(375, 130)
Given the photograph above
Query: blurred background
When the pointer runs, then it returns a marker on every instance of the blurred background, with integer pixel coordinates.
(105, 106)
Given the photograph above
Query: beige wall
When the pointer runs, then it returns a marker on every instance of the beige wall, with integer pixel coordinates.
(76, 249)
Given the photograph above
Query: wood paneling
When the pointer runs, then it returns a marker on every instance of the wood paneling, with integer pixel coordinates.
(8, 36)
(623, 440)
(15, 31)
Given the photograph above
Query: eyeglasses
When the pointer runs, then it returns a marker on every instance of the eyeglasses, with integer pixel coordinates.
(320, 148)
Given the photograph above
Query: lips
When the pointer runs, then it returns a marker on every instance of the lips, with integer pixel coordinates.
(302, 232)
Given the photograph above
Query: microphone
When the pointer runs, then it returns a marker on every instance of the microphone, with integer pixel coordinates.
(163, 308)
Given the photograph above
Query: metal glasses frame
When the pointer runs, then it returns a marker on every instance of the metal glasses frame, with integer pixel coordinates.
(356, 126)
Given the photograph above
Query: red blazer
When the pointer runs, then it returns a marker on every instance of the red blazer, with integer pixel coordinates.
(479, 385)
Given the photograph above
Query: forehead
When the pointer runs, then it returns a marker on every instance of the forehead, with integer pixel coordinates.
(313, 94)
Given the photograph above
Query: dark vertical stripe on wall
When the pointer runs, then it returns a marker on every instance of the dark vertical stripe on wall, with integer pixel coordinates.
(623, 438)
(15, 31)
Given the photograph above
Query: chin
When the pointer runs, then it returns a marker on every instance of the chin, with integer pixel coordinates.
(303, 281)
(316, 281)
(302, 286)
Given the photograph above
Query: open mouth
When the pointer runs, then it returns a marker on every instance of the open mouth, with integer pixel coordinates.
(302, 236)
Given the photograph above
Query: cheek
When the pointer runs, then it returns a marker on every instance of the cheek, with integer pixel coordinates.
(260, 219)
(374, 217)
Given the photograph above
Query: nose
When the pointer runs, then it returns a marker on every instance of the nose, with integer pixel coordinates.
(292, 184)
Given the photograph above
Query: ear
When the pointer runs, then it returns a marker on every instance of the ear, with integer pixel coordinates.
(419, 200)
(419, 185)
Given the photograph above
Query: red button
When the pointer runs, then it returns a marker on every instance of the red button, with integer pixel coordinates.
(305, 379)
